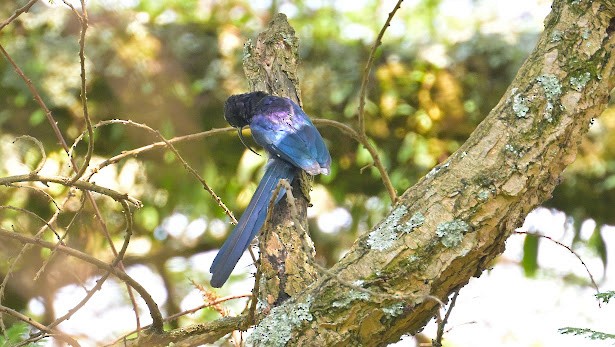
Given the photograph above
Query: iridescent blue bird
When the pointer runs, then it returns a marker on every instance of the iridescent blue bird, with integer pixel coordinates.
(293, 143)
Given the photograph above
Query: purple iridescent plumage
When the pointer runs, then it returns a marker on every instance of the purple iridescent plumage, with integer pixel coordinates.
(282, 128)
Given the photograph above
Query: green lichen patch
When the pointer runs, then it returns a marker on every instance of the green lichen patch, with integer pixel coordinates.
(483, 195)
(394, 310)
(551, 86)
(437, 169)
(553, 89)
(511, 149)
(415, 221)
(276, 328)
(385, 235)
(520, 105)
(451, 233)
(578, 82)
(556, 36)
(353, 295)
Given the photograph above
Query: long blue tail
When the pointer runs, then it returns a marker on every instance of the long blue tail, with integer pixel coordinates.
(251, 221)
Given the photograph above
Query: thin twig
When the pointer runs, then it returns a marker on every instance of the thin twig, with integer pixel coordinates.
(180, 158)
(135, 152)
(61, 238)
(361, 112)
(60, 336)
(151, 304)
(83, 18)
(438, 341)
(591, 277)
(41, 148)
(254, 299)
(13, 263)
(38, 99)
(386, 180)
(83, 185)
(364, 140)
(341, 126)
(17, 13)
(369, 65)
(36, 190)
(198, 177)
(186, 312)
(114, 263)
(36, 216)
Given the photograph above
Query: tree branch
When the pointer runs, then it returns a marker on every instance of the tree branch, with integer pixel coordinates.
(83, 185)
(151, 304)
(454, 222)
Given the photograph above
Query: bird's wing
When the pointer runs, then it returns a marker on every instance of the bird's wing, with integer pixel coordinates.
(289, 134)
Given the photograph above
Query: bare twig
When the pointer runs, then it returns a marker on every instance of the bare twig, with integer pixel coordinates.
(438, 341)
(17, 13)
(40, 147)
(155, 145)
(13, 263)
(61, 238)
(368, 67)
(361, 112)
(378, 164)
(51, 332)
(83, 19)
(591, 277)
(180, 158)
(190, 311)
(198, 177)
(254, 296)
(341, 126)
(151, 304)
(38, 99)
(83, 185)
(36, 190)
(100, 281)
(36, 216)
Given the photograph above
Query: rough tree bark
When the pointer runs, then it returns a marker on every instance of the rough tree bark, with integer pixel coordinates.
(286, 250)
(454, 222)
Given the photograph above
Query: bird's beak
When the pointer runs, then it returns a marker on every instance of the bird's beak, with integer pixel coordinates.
(244, 141)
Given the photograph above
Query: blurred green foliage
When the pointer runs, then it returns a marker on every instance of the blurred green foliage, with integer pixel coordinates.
(18, 333)
(172, 64)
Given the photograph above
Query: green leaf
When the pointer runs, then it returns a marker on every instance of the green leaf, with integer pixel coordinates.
(530, 255)
(596, 243)
(606, 296)
(37, 117)
(590, 334)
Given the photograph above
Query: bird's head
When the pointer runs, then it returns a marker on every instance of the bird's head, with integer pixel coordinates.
(239, 109)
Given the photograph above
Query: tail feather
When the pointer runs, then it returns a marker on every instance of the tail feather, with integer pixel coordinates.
(250, 222)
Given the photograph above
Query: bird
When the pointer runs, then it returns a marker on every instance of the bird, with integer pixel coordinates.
(292, 143)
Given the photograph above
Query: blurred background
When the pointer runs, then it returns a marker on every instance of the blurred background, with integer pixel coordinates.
(442, 66)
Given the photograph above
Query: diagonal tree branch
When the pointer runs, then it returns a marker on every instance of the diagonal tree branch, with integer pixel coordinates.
(454, 222)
